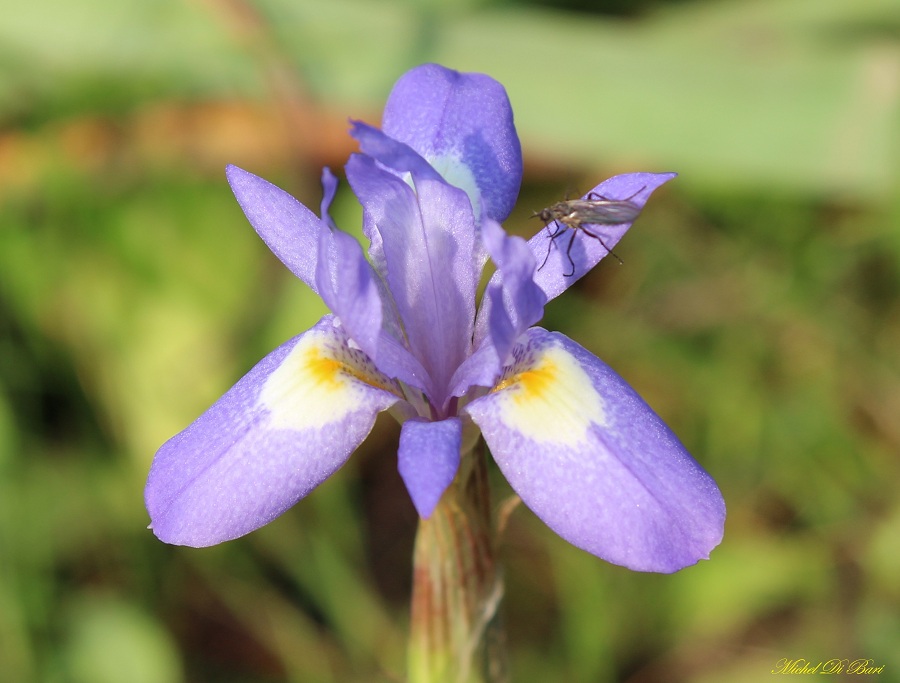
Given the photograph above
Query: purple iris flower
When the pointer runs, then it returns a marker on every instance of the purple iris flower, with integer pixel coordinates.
(585, 453)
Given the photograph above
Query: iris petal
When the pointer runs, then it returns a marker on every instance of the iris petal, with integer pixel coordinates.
(289, 229)
(515, 303)
(282, 430)
(512, 303)
(429, 246)
(556, 275)
(395, 155)
(347, 285)
(594, 462)
(428, 459)
(462, 124)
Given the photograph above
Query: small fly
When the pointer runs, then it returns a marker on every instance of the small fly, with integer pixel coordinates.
(575, 214)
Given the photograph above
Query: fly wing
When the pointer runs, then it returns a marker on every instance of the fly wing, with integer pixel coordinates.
(605, 211)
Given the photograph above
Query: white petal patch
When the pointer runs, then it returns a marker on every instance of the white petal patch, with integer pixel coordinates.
(458, 174)
(548, 397)
(320, 382)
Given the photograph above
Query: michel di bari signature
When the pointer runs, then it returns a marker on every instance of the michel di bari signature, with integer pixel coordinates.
(832, 666)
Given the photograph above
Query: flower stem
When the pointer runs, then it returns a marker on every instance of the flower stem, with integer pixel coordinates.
(455, 635)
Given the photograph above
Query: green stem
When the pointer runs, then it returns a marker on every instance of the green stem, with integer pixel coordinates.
(455, 636)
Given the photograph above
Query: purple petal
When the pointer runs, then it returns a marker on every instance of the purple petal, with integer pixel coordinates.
(516, 302)
(512, 303)
(428, 460)
(329, 187)
(556, 275)
(462, 124)
(430, 253)
(289, 229)
(395, 360)
(403, 161)
(347, 285)
(284, 428)
(351, 289)
(594, 462)
(396, 155)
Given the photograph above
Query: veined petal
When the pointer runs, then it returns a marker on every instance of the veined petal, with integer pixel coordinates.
(406, 163)
(348, 287)
(428, 460)
(512, 303)
(593, 460)
(462, 124)
(516, 302)
(289, 229)
(429, 249)
(396, 155)
(284, 428)
(556, 275)
(351, 289)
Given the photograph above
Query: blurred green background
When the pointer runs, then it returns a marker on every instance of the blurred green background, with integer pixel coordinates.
(757, 310)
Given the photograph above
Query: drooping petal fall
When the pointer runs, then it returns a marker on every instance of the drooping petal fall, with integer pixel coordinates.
(282, 430)
(594, 462)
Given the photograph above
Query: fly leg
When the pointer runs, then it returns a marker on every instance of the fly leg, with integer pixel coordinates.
(600, 240)
(569, 253)
(553, 235)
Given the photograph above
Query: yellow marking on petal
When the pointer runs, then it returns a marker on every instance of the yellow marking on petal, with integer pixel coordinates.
(550, 400)
(312, 387)
(323, 370)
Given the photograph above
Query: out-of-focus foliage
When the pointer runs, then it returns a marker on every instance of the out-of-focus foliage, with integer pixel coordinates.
(758, 310)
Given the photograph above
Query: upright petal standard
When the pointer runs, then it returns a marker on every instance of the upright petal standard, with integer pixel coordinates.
(406, 332)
